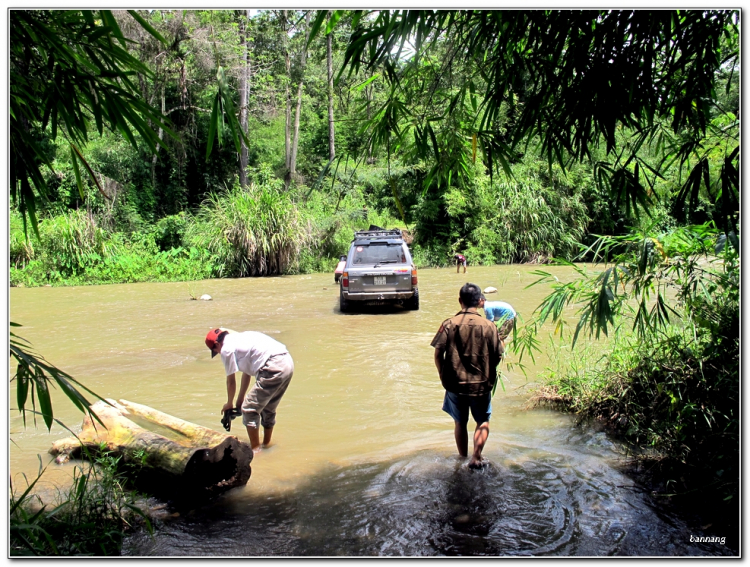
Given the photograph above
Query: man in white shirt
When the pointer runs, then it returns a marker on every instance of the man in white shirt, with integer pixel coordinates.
(254, 354)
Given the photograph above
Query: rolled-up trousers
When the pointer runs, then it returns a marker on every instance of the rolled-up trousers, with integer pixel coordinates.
(259, 407)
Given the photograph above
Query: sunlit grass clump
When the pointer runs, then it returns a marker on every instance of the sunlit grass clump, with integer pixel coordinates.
(249, 232)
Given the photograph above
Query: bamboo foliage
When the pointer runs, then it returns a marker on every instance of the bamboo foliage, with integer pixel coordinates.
(582, 76)
(68, 67)
(21, 248)
(35, 377)
(644, 273)
(72, 74)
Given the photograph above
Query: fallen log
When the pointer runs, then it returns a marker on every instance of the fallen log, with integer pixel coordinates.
(182, 461)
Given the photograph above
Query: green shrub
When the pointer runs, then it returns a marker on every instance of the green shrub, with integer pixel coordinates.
(329, 222)
(532, 218)
(128, 258)
(169, 231)
(68, 243)
(90, 518)
(518, 221)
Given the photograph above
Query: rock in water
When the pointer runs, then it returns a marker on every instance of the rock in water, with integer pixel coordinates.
(490, 290)
(206, 297)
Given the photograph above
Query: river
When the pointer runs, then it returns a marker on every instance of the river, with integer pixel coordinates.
(363, 461)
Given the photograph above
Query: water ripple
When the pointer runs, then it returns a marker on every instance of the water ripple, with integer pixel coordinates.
(429, 505)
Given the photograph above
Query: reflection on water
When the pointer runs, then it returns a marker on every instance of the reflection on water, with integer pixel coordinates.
(364, 459)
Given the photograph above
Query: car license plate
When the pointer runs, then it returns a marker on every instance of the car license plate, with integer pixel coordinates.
(378, 280)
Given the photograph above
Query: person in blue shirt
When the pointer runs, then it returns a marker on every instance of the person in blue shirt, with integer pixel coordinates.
(501, 313)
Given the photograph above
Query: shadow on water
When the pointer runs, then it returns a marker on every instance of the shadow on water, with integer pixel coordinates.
(373, 309)
(429, 505)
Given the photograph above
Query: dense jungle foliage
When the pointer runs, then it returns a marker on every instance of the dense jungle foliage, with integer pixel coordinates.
(391, 141)
(163, 145)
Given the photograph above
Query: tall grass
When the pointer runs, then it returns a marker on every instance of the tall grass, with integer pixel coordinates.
(74, 240)
(68, 243)
(126, 258)
(89, 518)
(249, 232)
(21, 247)
(525, 223)
(260, 231)
(329, 222)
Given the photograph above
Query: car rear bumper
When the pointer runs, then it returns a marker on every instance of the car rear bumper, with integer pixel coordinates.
(379, 296)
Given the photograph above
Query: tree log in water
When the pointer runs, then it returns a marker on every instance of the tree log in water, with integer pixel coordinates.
(184, 461)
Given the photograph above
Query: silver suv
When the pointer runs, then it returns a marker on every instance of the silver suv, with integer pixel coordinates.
(378, 270)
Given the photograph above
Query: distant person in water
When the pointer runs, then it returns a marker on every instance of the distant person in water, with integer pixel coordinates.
(467, 352)
(253, 354)
(502, 314)
(460, 261)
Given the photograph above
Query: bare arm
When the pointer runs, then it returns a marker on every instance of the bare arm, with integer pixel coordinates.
(231, 389)
(243, 389)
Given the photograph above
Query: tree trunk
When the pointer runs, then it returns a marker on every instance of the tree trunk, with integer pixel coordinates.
(244, 88)
(368, 96)
(155, 158)
(295, 142)
(331, 137)
(288, 125)
(303, 63)
(183, 462)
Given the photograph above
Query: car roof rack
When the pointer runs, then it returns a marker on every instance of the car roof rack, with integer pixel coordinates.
(379, 233)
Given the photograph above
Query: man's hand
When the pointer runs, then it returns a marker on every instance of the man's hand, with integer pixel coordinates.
(227, 406)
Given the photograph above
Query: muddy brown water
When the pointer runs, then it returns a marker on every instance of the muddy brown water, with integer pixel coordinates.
(363, 461)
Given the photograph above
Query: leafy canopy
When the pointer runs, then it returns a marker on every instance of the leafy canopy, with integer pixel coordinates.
(71, 70)
(571, 78)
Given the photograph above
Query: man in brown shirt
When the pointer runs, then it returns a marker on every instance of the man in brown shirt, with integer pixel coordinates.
(467, 352)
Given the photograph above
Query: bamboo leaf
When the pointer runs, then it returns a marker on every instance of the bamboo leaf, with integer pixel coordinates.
(45, 404)
(148, 27)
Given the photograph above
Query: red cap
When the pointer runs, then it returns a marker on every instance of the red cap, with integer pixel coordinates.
(212, 338)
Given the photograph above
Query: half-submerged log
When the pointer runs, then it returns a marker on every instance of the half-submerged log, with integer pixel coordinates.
(183, 461)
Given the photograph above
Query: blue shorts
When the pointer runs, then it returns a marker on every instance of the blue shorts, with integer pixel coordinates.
(458, 407)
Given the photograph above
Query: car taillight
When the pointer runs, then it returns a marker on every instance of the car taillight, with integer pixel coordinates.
(413, 276)
(345, 279)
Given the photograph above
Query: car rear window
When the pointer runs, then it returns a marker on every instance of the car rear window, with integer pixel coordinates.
(377, 253)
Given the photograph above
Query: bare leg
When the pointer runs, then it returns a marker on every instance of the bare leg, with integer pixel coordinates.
(267, 432)
(480, 438)
(254, 434)
(462, 438)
